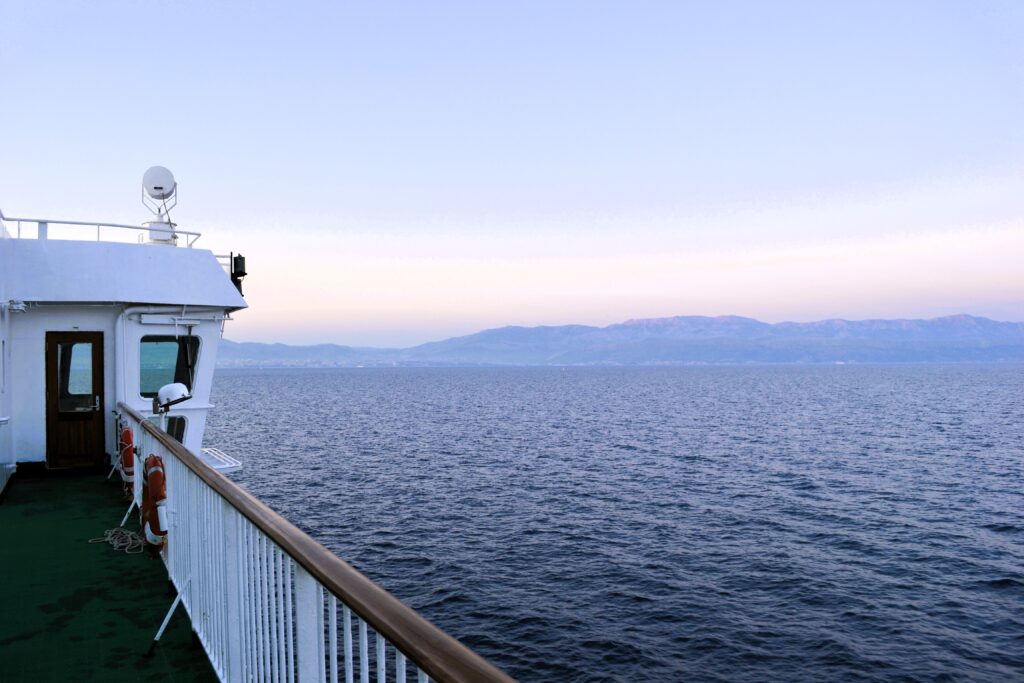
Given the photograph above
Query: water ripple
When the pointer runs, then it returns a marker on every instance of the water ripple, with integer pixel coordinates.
(703, 524)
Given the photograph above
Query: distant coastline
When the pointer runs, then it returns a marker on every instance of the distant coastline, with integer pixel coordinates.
(673, 341)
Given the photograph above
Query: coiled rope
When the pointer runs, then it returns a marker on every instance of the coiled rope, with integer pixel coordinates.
(121, 539)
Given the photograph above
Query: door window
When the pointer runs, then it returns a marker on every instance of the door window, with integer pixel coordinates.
(74, 368)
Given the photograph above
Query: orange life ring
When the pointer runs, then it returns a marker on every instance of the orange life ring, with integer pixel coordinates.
(154, 499)
(127, 465)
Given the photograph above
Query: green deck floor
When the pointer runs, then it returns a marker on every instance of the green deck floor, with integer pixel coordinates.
(71, 611)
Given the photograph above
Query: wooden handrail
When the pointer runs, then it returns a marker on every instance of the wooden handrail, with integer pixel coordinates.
(438, 654)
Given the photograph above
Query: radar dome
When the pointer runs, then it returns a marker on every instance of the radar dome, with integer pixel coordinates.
(159, 183)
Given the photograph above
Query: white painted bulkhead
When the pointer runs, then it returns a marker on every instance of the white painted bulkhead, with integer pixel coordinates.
(123, 328)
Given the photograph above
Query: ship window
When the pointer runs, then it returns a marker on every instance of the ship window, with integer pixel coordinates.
(176, 428)
(164, 360)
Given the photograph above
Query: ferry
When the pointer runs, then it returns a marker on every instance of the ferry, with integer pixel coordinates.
(118, 527)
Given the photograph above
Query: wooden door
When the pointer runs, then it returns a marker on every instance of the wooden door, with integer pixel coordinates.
(74, 399)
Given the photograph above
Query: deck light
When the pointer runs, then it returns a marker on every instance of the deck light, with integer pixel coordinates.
(169, 395)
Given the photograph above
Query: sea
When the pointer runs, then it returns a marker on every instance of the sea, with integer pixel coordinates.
(784, 523)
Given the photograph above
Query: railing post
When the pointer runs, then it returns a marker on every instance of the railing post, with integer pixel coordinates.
(308, 635)
(233, 588)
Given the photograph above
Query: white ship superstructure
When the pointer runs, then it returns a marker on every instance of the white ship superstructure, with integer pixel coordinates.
(99, 324)
(86, 324)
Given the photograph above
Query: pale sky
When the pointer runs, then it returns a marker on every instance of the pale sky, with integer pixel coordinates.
(402, 172)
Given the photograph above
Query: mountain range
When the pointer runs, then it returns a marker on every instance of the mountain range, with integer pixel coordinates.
(679, 340)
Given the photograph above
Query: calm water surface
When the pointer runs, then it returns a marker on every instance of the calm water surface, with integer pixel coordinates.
(705, 524)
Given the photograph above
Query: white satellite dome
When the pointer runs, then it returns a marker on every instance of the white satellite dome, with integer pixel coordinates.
(159, 183)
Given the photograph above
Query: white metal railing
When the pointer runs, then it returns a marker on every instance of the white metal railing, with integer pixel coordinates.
(271, 604)
(42, 226)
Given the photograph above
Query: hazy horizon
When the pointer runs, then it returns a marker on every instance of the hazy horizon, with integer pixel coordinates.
(231, 338)
(408, 172)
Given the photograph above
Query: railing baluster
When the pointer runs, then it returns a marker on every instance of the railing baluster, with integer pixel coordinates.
(321, 655)
(306, 626)
(232, 589)
(382, 662)
(275, 651)
(332, 632)
(206, 607)
(215, 576)
(364, 655)
(254, 619)
(264, 611)
(245, 672)
(221, 582)
(289, 620)
(346, 614)
(282, 643)
(399, 666)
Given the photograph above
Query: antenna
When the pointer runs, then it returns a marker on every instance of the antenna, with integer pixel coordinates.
(159, 186)
(160, 195)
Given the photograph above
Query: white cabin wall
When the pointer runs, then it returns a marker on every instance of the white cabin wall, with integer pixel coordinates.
(23, 391)
(27, 349)
(26, 368)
